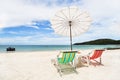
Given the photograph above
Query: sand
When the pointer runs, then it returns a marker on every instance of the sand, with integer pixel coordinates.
(38, 66)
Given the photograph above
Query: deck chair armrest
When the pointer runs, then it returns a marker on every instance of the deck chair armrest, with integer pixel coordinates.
(58, 54)
(89, 53)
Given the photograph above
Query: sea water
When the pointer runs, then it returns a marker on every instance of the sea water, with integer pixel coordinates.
(27, 48)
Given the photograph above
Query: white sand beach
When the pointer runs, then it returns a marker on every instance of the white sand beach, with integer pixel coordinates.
(38, 66)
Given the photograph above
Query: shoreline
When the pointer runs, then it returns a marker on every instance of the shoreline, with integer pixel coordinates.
(112, 48)
(27, 48)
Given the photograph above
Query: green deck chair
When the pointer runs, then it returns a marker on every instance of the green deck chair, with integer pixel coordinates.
(65, 63)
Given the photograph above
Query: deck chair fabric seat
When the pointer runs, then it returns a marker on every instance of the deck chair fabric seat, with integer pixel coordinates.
(67, 57)
(97, 54)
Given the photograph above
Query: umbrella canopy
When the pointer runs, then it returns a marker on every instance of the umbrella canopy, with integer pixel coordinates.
(70, 21)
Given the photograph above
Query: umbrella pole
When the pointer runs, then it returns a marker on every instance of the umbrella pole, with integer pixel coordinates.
(70, 35)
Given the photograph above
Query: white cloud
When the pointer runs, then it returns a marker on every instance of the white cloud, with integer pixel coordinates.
(115, 30)
(96, 32)
(14, 40)
(103, 8)
(16, 12)
(36, 40)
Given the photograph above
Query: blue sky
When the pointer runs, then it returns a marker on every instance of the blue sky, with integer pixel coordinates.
(28, 21)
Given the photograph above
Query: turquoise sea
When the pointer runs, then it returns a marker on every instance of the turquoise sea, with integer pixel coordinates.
(26, 48)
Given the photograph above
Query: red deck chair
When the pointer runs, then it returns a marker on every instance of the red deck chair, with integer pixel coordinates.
(94, 57)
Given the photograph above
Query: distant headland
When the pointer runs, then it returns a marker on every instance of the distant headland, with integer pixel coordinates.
(99, 42)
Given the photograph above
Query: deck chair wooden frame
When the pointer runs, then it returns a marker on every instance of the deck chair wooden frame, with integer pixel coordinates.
(94, 57)
(65, 64)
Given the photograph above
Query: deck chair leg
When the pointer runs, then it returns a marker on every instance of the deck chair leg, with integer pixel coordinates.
(75, 71)
(100, 61)
(59, 71)
(88, 61)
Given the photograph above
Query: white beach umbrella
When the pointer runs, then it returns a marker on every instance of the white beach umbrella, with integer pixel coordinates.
(70, 21)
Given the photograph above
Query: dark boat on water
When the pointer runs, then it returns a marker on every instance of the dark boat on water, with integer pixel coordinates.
(10, 49)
